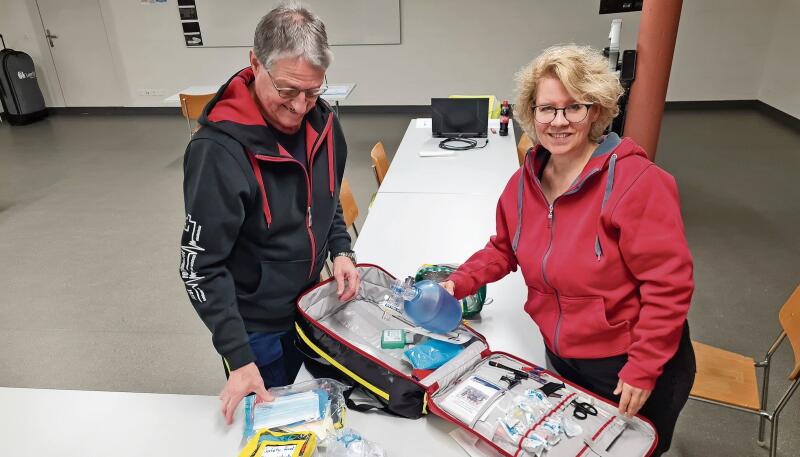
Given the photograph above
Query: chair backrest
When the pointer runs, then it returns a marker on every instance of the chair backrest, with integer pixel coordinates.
(349, 207)
(524, 144)
(192, 105)
(379, 162)
(789, 318)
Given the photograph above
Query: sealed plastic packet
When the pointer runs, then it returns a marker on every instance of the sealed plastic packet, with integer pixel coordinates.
(349, 443)
(432, 354)
(312, 406)
(530, 423)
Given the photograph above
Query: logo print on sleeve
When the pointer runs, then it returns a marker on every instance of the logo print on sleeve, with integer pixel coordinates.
(189, 253)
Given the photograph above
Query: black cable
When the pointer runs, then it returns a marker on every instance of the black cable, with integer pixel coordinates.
(469, 144)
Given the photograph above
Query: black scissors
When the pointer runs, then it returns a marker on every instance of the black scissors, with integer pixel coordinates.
(583, 410)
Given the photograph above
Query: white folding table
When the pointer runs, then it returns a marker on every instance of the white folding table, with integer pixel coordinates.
(472, 172)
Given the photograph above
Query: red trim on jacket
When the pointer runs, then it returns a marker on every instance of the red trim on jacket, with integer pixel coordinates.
(260, 179)
(327, 133)
(283, 152)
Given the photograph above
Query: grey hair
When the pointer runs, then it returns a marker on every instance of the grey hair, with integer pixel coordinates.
(290, 31)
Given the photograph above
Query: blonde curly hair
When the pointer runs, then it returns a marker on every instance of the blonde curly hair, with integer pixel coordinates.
(584, 73)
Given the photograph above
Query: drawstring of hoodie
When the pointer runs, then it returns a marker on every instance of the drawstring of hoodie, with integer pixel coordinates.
(520, 191)
(330, 157)
(598, 249)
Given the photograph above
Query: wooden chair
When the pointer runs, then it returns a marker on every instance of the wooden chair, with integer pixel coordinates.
(192, 108)
(524, 144)
(380, 164)
(729, 379)
(349, 207)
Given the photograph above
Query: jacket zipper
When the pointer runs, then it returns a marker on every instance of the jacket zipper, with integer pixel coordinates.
(551, 224)
(308, 204)
(310, 179)
(308, 175)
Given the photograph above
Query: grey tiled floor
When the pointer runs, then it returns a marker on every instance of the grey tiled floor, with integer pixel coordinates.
(90, 221)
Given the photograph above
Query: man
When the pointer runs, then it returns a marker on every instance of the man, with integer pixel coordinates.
(261, 190)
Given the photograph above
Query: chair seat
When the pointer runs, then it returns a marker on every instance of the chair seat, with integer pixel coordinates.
(725, 377)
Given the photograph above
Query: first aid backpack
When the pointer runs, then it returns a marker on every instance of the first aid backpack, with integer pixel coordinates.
(20, 94)
(511, 405)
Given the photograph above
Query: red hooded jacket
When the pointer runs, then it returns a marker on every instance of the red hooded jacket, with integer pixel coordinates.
(607, 266)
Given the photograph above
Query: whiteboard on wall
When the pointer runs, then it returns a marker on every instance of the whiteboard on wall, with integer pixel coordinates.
(348, 22)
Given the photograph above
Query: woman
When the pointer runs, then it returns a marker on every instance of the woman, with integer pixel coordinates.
(596, 229)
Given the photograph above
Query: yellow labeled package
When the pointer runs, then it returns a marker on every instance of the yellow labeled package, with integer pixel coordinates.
(269, 443)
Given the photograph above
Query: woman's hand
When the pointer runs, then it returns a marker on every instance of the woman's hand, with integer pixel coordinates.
(631, 398)
(449, 286)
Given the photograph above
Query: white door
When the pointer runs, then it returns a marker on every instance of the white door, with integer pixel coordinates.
(76, 34)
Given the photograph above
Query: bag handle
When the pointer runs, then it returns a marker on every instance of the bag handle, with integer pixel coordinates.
(4, 41)
(364, 407)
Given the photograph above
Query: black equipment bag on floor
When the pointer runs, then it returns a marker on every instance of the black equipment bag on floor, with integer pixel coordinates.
(19, 90)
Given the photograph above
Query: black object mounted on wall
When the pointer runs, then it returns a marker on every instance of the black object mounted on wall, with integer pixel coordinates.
(620, 6)
(627, 73)
(189, 23)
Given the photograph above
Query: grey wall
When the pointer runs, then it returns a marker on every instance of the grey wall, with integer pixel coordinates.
(726, 49)
(780, 83)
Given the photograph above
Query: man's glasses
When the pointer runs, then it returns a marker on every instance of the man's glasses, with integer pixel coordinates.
(290, 92)
(576, 112)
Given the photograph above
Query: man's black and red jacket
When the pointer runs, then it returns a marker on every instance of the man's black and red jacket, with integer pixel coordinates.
(258, 225)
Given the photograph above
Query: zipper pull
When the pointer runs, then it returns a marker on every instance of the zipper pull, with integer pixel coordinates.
(550, 212)
(309, 217)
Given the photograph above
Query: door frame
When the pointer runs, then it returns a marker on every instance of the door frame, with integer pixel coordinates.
(120, 96)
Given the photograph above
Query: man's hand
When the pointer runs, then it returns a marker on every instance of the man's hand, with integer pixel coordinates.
(449, 286)
(631, 398)
(241, 382)
(345, 272)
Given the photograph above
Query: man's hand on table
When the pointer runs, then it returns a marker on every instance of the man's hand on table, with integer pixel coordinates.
(241, 383)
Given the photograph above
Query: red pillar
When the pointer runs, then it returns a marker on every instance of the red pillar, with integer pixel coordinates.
(655, 46)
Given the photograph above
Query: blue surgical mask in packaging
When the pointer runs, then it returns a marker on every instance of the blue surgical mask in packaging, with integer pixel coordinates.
(290, 409)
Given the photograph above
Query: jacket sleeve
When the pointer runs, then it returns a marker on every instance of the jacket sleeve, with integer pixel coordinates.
(491, 263)
(215, 194)
(654, 248)
(338, 237)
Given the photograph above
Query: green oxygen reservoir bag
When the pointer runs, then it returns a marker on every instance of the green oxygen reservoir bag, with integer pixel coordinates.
(471, 305)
